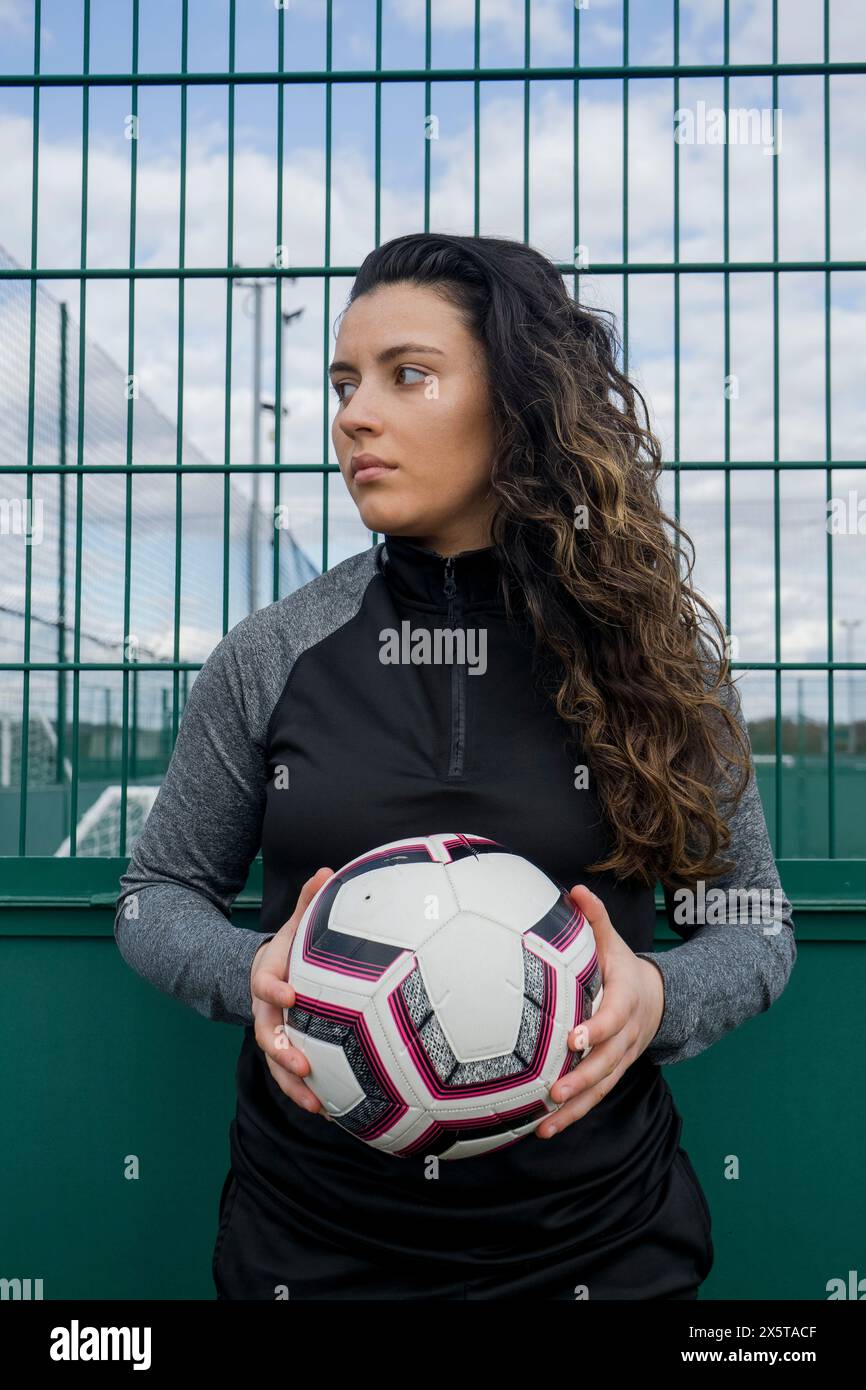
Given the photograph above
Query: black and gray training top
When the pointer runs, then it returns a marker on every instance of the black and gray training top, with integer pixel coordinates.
(376, 751)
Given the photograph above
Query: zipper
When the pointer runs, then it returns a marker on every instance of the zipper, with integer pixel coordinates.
(458, 679)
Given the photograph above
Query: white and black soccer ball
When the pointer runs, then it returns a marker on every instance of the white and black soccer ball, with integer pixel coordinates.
(436, 982)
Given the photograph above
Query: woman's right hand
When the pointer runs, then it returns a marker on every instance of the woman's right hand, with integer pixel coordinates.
(271, 992)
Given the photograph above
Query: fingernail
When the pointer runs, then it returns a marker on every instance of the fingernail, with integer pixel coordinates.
(580, 1038)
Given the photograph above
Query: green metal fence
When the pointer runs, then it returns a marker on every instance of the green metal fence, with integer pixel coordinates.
(60, 761)
(154, 548)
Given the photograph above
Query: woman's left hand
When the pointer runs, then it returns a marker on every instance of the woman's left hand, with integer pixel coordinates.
(622, 1027)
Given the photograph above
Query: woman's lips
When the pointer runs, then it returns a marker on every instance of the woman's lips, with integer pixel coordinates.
(366, 475)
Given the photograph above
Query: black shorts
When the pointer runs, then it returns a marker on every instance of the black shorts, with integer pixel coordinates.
(667, 1252)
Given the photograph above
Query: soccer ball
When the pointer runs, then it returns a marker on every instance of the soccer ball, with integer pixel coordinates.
(436, 982)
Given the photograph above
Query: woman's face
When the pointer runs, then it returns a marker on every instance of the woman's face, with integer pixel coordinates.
(412, 391)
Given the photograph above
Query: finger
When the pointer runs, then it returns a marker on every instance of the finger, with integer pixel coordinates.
(287, 1064)
(305, 897)
(273, 1039)
(599, 1064)
(612, 1013)
(578, 1038)
(308, 892)
(311, 888)
(575, 1109)
(592, 908)
(610, 1018)
(273, 989)
(295, 1089)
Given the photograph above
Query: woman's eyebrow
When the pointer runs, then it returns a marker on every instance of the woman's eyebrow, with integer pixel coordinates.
(386, 355)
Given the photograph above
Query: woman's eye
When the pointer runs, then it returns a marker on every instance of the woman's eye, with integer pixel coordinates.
(417, 371)
(339, 386)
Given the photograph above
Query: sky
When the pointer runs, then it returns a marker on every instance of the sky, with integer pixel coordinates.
(309, 339)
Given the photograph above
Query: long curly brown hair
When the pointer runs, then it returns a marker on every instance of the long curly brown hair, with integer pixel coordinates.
(586, 560)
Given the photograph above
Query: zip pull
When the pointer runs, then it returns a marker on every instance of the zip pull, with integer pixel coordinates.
(450, 582)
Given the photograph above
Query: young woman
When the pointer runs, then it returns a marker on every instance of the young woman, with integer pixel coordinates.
(484, 429)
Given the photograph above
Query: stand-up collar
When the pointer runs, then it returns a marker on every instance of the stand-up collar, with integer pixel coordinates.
(418, 575)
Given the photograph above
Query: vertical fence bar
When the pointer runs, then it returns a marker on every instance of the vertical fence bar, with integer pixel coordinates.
(31, 409)
(377, 132)
(230, 241)
(476, 173)
(777, 565)
(63, 426)
(427, 112)
(625, 271)
(828, 455)
(128, 655)
(377, 117)
(181, 304)
(575, 154)
(279, 260)
(527, 51)
(676, 173)
(726, 255)
(326, 288)
(79, 518)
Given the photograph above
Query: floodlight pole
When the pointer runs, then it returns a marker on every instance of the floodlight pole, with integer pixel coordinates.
(849, 625)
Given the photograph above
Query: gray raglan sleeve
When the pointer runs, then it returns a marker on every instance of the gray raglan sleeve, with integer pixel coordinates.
(193, 856)
(735, 964)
